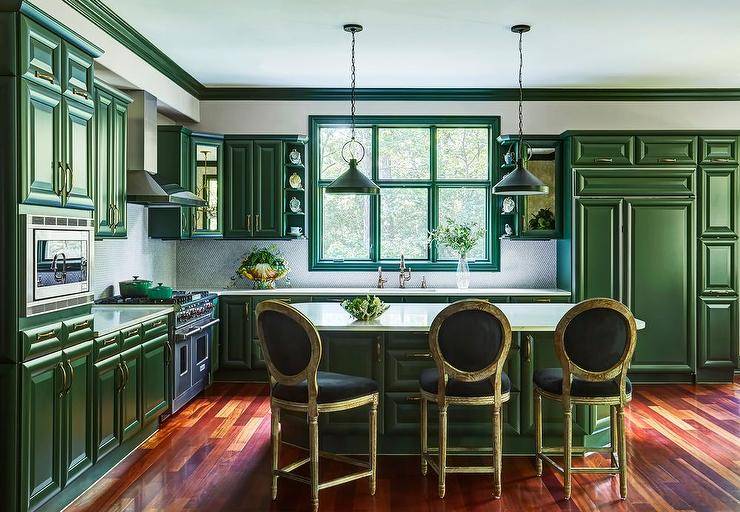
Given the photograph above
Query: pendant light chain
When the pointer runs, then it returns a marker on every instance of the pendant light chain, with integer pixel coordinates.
(521, 97)
(353, 81)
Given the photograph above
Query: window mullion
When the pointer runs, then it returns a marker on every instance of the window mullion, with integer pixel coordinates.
(433, 196)
(374, 201)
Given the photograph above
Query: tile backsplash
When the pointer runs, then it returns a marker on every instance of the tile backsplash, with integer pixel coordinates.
(209, 264)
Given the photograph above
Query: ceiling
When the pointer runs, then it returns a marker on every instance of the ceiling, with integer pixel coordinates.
(442, 43)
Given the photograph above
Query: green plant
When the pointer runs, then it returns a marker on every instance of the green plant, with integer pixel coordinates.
(460, 237)
(543, 219)
(365, 308)
(263, 265)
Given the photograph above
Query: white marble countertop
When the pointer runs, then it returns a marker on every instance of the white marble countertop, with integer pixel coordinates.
(329, 316)
(109, 318)
(420, 292)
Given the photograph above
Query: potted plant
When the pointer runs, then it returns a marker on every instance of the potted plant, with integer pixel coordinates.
(460, 237)
(263, 266)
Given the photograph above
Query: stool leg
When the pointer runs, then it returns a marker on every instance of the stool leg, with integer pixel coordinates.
(567, 445)
(442, 448)
(622, 453)
(538, 432)
(424, 434)
(373, 444)
(614, 433)
(313, 434)
(497, 449)
(275, 434)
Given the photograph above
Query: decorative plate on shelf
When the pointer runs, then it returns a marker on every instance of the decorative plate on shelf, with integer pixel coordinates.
(508, 205)
(295, 180)
(295, 157)
(295, 205)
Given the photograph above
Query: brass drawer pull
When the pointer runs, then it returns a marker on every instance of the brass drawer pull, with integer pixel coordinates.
(667, 160)
(46, 335)
(44, 76)
(80, 92)
(420, 355)
(81, 325)
(109, 341)
(413, 398)
(719, 160)
(542, 299)
(131, 333)
(604, 160)
(158, 323)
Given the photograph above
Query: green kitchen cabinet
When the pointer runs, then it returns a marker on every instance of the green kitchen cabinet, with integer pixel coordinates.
(40, 54)
(665, 149)
(107, 380)
(598, 248)
(132, 411)
(718, 149)
(718, 267)
(174, 153)
(77, 151)
(42, 385)
(718, 198)
(718, 332)
(236, 333)
(207, 183)
(77, 420)
(267, 189)
(602, 150)
(77, 74)
(155, 376)
(237, 189)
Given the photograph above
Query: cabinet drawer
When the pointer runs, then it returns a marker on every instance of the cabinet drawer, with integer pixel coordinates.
(77, 74)
(131, 336)
(718, 150)
(635, 182)
(403, 367)
(603, 150)
(41, 54)
(107, 346)
(41, 340)
(718, 267)
(77, 330)
(156, 327)
(666, 150)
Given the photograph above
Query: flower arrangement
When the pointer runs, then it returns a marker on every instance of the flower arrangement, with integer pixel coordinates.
(369, 307)
(460, 237)
(263, 266)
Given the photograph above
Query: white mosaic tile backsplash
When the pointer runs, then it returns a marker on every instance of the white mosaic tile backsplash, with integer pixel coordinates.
(209, 264)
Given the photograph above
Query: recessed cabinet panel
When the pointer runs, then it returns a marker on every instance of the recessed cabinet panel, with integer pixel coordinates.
(718, 150)
(104, 154)
(598, 246)
(108, 378)
(718, 267)
(77, 428)
(41, 54)
(78, 150)
(267, 189)
(132, 413)
(239, 221)
(719, 200)
(635, 181)
(718, 331)
(77, 74)
(603, 150)
(154, 377)
(236, 334)
(666, 150)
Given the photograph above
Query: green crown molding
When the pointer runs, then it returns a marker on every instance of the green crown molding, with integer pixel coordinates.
(110, 22)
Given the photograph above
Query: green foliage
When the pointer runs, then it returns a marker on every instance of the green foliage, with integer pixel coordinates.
(460, 237)
(365, 308)
(543, 219)
(263, 265)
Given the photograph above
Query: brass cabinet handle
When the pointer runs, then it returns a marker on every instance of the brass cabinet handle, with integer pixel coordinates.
(542, 299)
(667, 160)
(413, 398)
(80, 92)
(115, 217)
(68, 184)
(158, 323)
(248, 222)
(528, 339)
(81, 325)
(124, 367)
(59, 178)
(719, 160)
(64, 378)
(71, 375)
(604, 160)
(246, 308)
(169, 356)
(44, 76)
(378, 352)
(46, 335)
(420, 355)
(258, 219)
(123, 378)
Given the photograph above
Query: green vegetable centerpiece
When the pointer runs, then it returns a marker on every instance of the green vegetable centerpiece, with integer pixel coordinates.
(369, 307)
(263, 266)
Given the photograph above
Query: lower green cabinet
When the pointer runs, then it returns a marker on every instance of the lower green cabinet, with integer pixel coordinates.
(236, 333)
(155, 378)
(132, 414)
(107, 406)
(718, 332)
(77, 424)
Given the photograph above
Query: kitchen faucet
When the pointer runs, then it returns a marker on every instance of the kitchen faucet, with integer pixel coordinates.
(381, 280)
(404, 273)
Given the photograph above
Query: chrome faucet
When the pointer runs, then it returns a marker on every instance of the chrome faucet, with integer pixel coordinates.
(381, 280)
(404, 273)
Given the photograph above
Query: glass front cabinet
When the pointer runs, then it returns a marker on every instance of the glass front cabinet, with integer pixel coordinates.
(206, 183)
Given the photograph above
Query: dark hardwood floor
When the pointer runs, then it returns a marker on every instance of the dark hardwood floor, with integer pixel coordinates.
(684, 448)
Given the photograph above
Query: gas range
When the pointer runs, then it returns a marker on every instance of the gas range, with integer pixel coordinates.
(190, 306)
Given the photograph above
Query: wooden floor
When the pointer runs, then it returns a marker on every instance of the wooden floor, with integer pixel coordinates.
(684, 448)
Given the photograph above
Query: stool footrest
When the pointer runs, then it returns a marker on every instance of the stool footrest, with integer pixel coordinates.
(344, 479)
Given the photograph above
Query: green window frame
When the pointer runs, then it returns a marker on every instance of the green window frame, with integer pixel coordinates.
(491, 261)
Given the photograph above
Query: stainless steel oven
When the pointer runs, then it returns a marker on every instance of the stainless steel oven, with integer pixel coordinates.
(192, 360)
(58, 253)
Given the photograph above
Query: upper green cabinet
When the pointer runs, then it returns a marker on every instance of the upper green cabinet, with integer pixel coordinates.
(267, 189)
(40, 54)
(238, 187)
(78, 146)
(111, 119)
(666, 149)
(718, 150)
(602, 150)
(719, 200)
(207, 183)
(77, 74)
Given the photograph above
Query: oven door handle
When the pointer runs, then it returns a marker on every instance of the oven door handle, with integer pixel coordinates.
(198, 329)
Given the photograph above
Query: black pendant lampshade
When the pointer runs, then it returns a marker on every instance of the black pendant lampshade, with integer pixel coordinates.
(520, 182)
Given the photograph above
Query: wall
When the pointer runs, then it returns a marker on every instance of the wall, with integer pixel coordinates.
(118, 260)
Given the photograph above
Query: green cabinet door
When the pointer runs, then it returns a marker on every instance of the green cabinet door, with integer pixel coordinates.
(238, 220)
(103, 163)
(78, 147)
(154, 376)
(77, 420)
(718, 332)
(207, 183)
(77, 74)
(718, 150)
(666, 149)
(41, 422)
(267, 189)
(602, 150)
(660, 268)
(40, 135)
(107, 380)
(132, 412)
(118, 167)
(236, 333)
(173, 167)
(718, 270)
(40, 54)
(718, 197)
(598, 248)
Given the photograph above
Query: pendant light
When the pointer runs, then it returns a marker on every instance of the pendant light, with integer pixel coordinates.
(352, 181)
(520, 182)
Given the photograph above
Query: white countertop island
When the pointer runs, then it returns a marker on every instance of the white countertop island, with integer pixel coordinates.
(406, 292)
(329, 316)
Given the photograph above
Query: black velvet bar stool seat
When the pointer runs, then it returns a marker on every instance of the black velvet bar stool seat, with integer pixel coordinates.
(551, 381)
(333, 387)
(429, 380)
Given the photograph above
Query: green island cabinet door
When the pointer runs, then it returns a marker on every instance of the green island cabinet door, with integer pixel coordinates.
(41, 425)
(104, 159)
(267, 188)
(238, 221)
(154, 376)
(78, 147)
(107, 380)
(660, 269)
(41, 134)
(77, 416)
(598, 248)
(236, 333)
(132, 413)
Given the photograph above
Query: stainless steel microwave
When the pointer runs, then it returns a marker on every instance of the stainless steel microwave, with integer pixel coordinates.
(59, 254)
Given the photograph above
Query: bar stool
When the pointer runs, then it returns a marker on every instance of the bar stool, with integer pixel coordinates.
(469, 341)
(292, 350)
(594, 342)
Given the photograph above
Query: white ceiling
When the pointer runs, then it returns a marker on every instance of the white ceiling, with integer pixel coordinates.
(438, 43)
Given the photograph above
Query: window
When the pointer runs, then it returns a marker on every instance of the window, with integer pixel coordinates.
(429, 169)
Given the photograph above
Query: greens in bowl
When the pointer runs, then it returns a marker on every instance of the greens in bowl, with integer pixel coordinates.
(369, 307)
